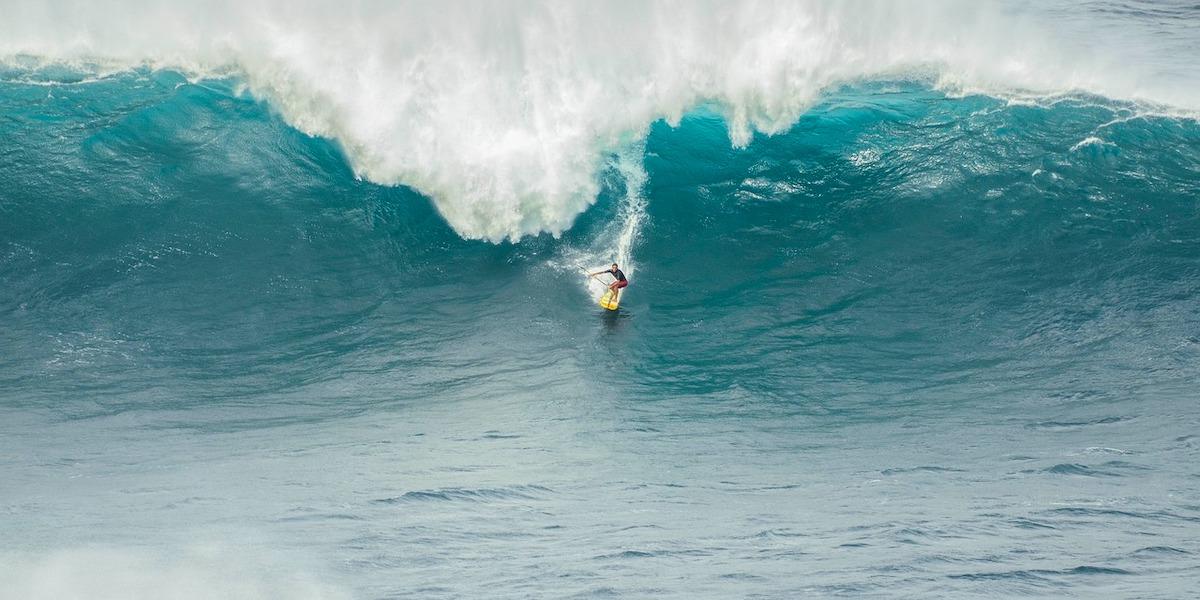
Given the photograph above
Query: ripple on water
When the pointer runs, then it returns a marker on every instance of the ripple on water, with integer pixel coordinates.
(522, 492)
(1075, 424)
(1152, 551)
(921, 469)
(1048, 576)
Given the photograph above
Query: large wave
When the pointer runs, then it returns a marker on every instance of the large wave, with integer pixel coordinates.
(504, 112)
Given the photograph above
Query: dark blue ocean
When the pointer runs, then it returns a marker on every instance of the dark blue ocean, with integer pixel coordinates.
(915, 340)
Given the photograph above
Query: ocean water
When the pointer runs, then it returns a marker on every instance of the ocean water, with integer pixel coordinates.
(292, 300)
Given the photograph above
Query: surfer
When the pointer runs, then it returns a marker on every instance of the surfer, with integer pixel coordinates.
(617, 274)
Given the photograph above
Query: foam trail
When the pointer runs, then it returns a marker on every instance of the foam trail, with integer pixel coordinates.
(633, 209)
(617, 241)
(502, 112)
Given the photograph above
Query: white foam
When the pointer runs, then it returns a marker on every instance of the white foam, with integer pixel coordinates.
(1090, 141)
(502, 111)
(194, 573)
(864, 157)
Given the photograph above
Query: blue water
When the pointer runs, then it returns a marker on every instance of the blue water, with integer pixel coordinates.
(918, 345)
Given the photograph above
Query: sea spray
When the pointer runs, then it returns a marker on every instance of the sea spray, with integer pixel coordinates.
(503, 112)
(616, 241)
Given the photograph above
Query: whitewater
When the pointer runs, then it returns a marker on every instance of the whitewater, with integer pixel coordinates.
(503, 112)
(293, 304)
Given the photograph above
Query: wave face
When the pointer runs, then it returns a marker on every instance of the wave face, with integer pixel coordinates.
(502, 112)
(935, 336)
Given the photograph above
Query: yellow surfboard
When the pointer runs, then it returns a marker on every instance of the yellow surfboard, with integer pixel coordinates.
(610, 299)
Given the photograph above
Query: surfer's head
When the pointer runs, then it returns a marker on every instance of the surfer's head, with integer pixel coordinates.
(614, 267)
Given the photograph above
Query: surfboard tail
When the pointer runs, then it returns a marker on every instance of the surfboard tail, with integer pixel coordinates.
(610, 300)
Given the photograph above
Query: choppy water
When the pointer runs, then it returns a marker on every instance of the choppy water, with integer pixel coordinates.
(921, 342)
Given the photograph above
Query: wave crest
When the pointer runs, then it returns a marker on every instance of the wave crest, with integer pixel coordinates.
(503, 112)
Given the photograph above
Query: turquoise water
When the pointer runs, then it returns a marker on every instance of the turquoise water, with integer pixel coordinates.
(918, 344)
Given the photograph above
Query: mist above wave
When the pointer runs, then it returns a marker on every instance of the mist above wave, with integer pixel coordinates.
(503, 112)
